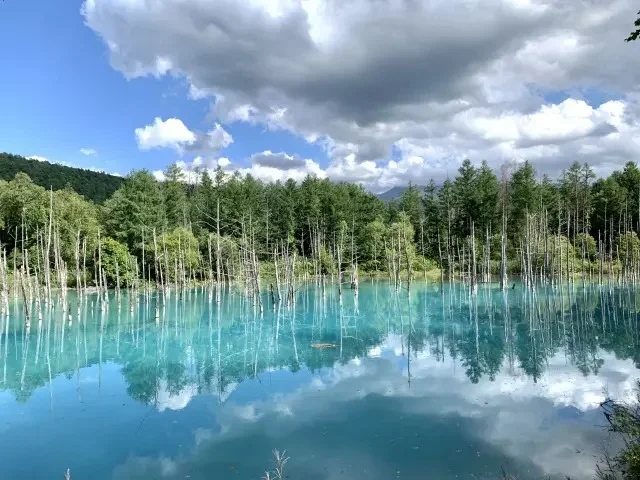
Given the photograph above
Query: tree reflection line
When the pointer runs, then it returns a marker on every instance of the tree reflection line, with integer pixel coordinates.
(210, 345)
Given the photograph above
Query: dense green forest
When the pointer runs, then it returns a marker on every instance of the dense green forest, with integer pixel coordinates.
(227, 227)
(95, 186)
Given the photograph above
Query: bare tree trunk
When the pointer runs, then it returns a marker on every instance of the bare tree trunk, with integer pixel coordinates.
(441, 264)
(47, 261)
(77, 256)
(474, 278)
(100, 276)
(27, 315)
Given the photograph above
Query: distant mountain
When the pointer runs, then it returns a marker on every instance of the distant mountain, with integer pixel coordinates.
(396, 192)
(94, 186)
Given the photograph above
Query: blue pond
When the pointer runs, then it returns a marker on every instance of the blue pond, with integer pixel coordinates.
(419, 384)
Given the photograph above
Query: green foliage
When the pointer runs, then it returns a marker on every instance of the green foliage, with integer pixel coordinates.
(624, 420)
(398, 239)
(576, 191)
(116, 258)
(411, 204)
(316, 216)
(466, 196)
(610, 198)
(94, 186)
(373, 246)
(636, 33)
(229, 250)
(588, 243)
(74, 217)
(135, 210)
(327, 265)
(203, 204)
(181, 247)
(175, 197)
(523, 191)
(628, 247)
(23, 203)
(488, 191)
(559, 251)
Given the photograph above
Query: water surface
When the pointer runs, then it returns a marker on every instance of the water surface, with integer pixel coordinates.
(418, 385)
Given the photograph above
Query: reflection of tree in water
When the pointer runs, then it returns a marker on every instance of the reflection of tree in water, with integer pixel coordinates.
(141, 376)
(531, 356)
(196, 345)
(493, 348)
(177, 379)
(471, 356)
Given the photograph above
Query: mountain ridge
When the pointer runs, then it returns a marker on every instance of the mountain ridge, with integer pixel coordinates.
(94, 186)
(396, 192)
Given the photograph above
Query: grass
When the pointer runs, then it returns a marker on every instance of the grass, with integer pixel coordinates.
(624, 421)
(280, 460)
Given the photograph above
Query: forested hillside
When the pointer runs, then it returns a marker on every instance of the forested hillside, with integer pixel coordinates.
(95, 186)
(228, 228)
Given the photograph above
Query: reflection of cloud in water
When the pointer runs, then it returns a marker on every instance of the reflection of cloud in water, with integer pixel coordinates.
(168, 401)
(512, 421)
(146, 467)
(561, 383)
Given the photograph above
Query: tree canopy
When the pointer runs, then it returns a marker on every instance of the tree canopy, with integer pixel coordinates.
(95, 186)
(582, 216)
(636, 33)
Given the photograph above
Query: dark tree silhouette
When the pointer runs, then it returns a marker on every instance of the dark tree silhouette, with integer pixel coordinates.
(635, 34)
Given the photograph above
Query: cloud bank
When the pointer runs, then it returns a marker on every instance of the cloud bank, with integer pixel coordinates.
(395, 90)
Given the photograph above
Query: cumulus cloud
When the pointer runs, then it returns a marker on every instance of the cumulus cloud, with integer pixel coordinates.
(270, 167)
(280, 161)
(192, 171)
(88, 151)
(40, 158)
(173, 133)
(437, 80)
(265, 166)
(164, 133)
(507, 422)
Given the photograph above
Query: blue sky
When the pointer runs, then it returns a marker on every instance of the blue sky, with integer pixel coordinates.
(59, 94)
(396, 92)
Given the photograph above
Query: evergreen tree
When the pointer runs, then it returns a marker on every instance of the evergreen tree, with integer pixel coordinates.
(488, 192)
(175, 198)
(523, 198)
(135, 210)
(467, 198)
(411, 204)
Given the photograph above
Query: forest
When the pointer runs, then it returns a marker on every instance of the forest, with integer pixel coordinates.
(476, 227)
(94, 186)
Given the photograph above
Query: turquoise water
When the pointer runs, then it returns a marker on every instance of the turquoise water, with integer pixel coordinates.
(418, 385)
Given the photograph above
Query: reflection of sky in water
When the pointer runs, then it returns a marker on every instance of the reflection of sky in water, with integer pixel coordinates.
(429, 386)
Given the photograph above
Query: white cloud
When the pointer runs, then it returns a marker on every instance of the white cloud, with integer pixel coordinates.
(437, 80)
(265, 166)
(39, 158)
(510, 419)
(88, 151)
(551, 137)
(173, 133)
(193, 170)
(271, 167)
(164, 133)
(177, 401)
(218, 138)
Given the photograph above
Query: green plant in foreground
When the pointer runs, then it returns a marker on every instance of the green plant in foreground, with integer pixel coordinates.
(280, 461)
(624, 420)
